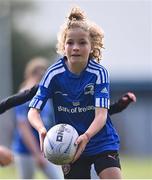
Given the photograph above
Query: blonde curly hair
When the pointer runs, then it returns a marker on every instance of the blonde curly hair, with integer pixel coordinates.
(78, 19)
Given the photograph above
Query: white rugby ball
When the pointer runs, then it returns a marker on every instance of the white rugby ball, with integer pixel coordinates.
(59, 144)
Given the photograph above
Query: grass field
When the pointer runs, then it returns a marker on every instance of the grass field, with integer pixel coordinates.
(135, 168)
(132, 168)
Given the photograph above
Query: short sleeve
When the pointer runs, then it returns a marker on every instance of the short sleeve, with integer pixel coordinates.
(43, 92)
(102, 96)
(40, 99)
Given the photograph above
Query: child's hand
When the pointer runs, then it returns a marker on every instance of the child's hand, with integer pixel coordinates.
(42, 134)
(129, 97)
(6, 156)
(81, 142)
(126, 100)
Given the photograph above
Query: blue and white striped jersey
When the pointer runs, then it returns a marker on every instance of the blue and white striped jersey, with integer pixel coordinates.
(75, 98)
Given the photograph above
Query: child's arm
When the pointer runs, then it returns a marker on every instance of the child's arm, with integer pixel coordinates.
(17, 99)
(36, 122)
(122, 103)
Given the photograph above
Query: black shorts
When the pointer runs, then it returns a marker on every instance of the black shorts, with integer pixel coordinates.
(81, 168)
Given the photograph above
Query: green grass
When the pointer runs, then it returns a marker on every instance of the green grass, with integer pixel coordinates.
(132, 168)
(136, 168)
(10, 173)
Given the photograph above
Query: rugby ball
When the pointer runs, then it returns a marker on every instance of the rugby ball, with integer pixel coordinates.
(59, 144)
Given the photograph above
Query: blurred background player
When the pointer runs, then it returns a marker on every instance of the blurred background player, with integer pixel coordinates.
(25, 144)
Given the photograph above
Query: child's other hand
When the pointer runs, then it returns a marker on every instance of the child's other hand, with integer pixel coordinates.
(126, 99)
(42, 134)
(81, 142)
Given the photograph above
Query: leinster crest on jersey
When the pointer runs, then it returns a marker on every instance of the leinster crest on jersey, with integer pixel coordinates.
(89, 89)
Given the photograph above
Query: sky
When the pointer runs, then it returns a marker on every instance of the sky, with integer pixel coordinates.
(126, 24)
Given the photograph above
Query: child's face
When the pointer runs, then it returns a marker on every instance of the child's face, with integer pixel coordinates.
(77, 46)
